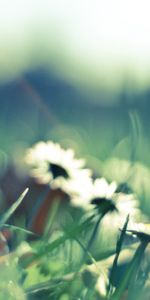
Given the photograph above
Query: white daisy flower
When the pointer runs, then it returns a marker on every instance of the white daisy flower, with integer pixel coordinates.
(125, 205)
(51, 164)
(114, 220)
(104, 197)
(102, 189)
(115, 207)
(94, 191)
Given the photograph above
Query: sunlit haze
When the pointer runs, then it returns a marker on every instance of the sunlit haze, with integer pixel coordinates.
(93, 42)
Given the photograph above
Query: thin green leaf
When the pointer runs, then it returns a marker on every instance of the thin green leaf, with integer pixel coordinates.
(12, 209)
(118, 250)
(16, 228)
(130, 272)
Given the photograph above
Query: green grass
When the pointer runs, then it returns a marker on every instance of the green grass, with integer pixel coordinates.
(79, 256)
(63, 267)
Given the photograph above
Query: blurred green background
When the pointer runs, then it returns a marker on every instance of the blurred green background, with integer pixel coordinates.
(40, 106)
(76, 72)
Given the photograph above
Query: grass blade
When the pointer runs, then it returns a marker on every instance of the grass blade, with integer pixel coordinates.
(12, 209)
(118, 250)
(16, 228)
(130, 272)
